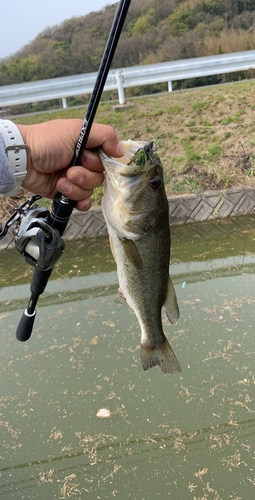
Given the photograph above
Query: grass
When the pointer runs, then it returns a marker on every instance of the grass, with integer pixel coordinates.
(205, 137)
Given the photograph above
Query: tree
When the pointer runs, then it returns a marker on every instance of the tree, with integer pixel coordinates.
(96, 30)
(97, 56)
(141, 26)
(180, 21)
(163, 9)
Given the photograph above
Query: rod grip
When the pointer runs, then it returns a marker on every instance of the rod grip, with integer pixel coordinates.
(25, 326)
(39, 281)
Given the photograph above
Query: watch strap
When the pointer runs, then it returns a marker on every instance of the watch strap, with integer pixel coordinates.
(16, 152)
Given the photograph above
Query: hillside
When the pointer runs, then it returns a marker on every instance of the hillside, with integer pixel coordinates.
(154, 31)
(205, 138)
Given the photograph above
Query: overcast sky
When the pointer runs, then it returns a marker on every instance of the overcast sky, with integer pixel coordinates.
(22, 20)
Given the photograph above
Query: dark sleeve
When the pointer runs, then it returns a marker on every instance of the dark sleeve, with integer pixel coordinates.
(7, 179)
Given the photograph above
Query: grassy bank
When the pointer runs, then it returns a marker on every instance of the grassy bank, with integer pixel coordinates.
(205, 137)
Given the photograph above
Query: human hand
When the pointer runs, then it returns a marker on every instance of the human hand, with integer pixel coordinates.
(51, 149)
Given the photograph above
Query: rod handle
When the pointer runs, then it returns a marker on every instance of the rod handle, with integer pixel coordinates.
(25, 326)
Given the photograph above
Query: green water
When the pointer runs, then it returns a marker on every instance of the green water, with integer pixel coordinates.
(183, 436)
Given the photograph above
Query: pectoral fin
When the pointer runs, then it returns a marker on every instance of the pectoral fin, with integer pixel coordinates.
(131, 252)
(112, 248)
(120, 299)
(171, 306)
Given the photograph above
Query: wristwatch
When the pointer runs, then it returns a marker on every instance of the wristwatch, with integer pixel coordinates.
(16, 152)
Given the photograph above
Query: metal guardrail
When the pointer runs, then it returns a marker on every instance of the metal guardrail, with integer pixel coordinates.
(70, 86)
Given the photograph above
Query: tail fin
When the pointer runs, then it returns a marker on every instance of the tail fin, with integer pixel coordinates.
(160, 355)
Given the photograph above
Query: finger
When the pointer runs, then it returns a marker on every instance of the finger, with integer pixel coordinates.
(79, 183)
(105, 136)
(91, 161)
(84, 178)
(72, 191)
(83, 205)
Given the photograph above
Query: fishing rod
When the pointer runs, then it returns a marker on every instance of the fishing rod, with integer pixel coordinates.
(40, 233)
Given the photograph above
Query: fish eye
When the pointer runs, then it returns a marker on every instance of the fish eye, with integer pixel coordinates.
(155, 182)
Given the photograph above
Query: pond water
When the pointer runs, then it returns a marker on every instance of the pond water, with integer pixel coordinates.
(189, 435)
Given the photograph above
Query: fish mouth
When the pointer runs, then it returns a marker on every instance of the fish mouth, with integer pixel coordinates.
(130, 148)
(119, 168)
(126, 179)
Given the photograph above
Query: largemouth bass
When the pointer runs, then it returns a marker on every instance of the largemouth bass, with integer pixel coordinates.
(136, 212)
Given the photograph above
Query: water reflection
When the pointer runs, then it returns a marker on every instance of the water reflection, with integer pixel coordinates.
(188, 435)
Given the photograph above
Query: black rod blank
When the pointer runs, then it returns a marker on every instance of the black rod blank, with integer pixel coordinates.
(103, 71)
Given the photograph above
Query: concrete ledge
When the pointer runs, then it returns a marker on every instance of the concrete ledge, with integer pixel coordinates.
(211, 205)
(183, 209)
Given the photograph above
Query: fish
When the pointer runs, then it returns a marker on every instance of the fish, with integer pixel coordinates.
(136, 212)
